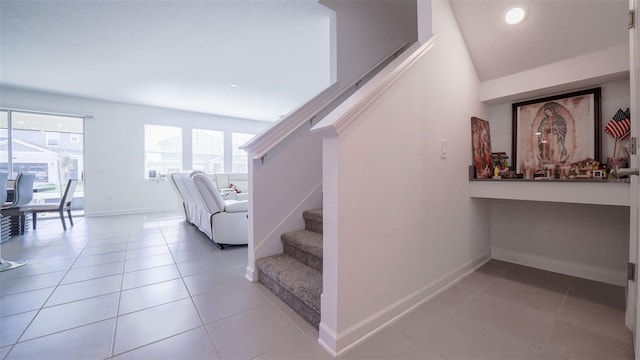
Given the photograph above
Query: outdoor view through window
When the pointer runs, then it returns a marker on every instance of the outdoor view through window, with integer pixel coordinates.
(240, 159)
(49, 146)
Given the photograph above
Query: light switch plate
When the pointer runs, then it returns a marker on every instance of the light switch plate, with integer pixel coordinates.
(443, 149)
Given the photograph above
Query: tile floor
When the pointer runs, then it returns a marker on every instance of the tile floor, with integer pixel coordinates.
(152, 287)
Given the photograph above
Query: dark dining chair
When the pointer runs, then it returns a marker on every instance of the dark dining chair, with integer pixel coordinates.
(10, 186)
(64, 205)
(22, 195)
(3, 199)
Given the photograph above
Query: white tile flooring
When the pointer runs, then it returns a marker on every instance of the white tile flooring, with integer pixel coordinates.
(152, 287)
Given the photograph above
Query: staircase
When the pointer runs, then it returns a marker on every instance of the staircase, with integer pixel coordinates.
(295, 276)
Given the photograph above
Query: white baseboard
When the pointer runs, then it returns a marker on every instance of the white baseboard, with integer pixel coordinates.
(130, 212)
(630, 314)
(337, 344)
(251, 274)
(327, 339)
(597, 273)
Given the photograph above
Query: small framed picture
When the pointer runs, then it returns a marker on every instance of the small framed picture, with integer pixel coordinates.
(481, 148)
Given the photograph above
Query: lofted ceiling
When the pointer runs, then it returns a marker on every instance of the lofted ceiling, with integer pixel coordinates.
(247, 59)
(554, 30)
(187, 54)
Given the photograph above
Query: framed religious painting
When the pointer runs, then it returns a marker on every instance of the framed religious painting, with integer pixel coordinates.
(481, 148)
(556, 130)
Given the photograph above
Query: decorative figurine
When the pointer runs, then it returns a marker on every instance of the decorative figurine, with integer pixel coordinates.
(496, 173)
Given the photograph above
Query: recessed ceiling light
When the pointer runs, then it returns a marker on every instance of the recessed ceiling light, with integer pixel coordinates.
(515, 15)
(233, 85)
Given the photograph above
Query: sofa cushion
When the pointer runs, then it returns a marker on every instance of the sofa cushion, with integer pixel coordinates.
(221, 180)
(210, 196)
(240, 180)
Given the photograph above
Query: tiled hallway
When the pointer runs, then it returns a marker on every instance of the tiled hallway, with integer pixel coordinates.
(152, 287)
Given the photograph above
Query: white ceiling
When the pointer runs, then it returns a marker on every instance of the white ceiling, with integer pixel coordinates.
(185, 54)
(554, 30)
(174, 54)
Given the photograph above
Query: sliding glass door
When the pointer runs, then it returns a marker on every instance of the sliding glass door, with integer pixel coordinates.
(4, 140)
(49, 146)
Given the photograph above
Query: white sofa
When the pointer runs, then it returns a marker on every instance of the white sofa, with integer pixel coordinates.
(225, 222)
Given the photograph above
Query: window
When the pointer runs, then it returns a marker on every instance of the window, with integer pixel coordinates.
(53, 138)
(208, 150)
(162, 150)
(240, 159)
(4, 141)
(74, 138)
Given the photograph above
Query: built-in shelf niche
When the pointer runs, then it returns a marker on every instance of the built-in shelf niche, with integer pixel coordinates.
(577, 192)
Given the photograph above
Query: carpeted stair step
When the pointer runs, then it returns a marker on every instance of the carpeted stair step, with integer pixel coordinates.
(313, 220)
(297, 284)
(305, 246)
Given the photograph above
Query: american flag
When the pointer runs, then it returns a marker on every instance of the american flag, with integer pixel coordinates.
(620, 125)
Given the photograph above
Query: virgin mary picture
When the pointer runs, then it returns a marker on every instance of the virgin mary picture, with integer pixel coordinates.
(551, 134)
(556, 130)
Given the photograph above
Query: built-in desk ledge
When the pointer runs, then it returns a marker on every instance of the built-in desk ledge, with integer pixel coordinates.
(595, 180)
(577, 191)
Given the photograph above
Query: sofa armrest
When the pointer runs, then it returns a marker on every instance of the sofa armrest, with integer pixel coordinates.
(232, 206)
(228, 194)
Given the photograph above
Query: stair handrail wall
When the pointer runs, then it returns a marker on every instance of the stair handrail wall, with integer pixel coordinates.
(313, 110)
(280, 130)
(338, 120)
(391, 131)
(285, 170)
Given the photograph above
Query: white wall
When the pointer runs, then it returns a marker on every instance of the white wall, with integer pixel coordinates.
(425, 29)
(582, 71)
(399, 224)
(588, 241)
(367, 31)
(114, 147)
